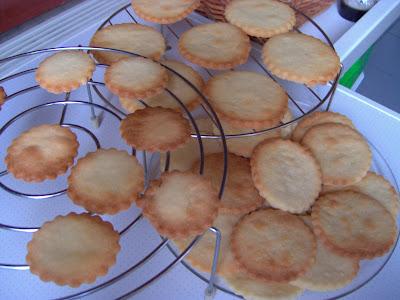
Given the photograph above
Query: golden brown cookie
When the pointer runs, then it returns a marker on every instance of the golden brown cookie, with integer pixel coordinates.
(136, 77)
(343, 154)
(217, 46)
(155, 129)
(300, 58)
(286, 175)
(65, 71)
(240, 195)
(273, 245)
(164, 12)
(135, 38)
(247, 99)
(353, 224)
(41, 153)
(2, 96)
(106, 181)
(73, 249)
(180, 204)
(261, 18)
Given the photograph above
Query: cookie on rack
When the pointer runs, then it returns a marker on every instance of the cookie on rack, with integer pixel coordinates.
(3, 96)
(330, 270)
(316, 118)
(73, 249)
(136, 77)
(177, 87)
(43, 152)
(164, 12)
(247, 99)
(106, 181)
(353, 224)
(65, 71)
(155, 129)
(273, 245)
(217, 46)
(240, 195)
(180, 204)
(286, 175)
(261, 18)
(135, 38)
(342, 152)
(301, 58)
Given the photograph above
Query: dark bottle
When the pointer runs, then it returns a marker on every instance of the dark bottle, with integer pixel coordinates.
(353, 10)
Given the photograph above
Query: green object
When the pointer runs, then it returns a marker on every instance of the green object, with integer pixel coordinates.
(350, 77)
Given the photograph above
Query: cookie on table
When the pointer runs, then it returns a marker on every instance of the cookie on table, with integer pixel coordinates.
(73, 249)
(342, 153)
(180, 204)
(286, 175)
(164, 11)
(136, 38)
(247, 99)
(353, 224)
(261, 18)
(217, 46)
(106, 181)
(136, 77)
(273, 245)
(300, 58)
(43, 152)
(65, 71)
(177, 86)
(155, 129)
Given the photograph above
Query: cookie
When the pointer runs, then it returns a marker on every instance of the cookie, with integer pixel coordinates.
(353, 224)
(261, 18)
(41, 153)
(273, 245)
(65, 71)
(73, 249)
(316, 118)
(136, 77)
(164, 12)
(106, 181)
(286, 175)
(3, 96)
(155, 129)
(247, 99)
(343, 154)
(300, 58)
(180, 204)
(240, 195)
(135, 38)
(217, 46)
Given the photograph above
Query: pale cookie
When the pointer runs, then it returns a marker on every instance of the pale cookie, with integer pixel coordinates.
(316, 118)
(106, 181)
(301, 58)
(41, 153)
(164, 11)
(353, 224)
(286, 175)
(247, 99)
(177, 86)
(257, 289)
(136, 77)
(155, 129)
(343, 154)
(135, 38)
(240, 195)
(73, 249)
(330, 271)
(261, 18)
(180, 204)
(217, 46)
(3, 96)
(65, 71)
(201, 257)
(273, 245)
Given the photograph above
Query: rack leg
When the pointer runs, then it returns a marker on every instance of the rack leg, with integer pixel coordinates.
(211, 290)
(334, 88)
(67, 95)
(96, 120)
